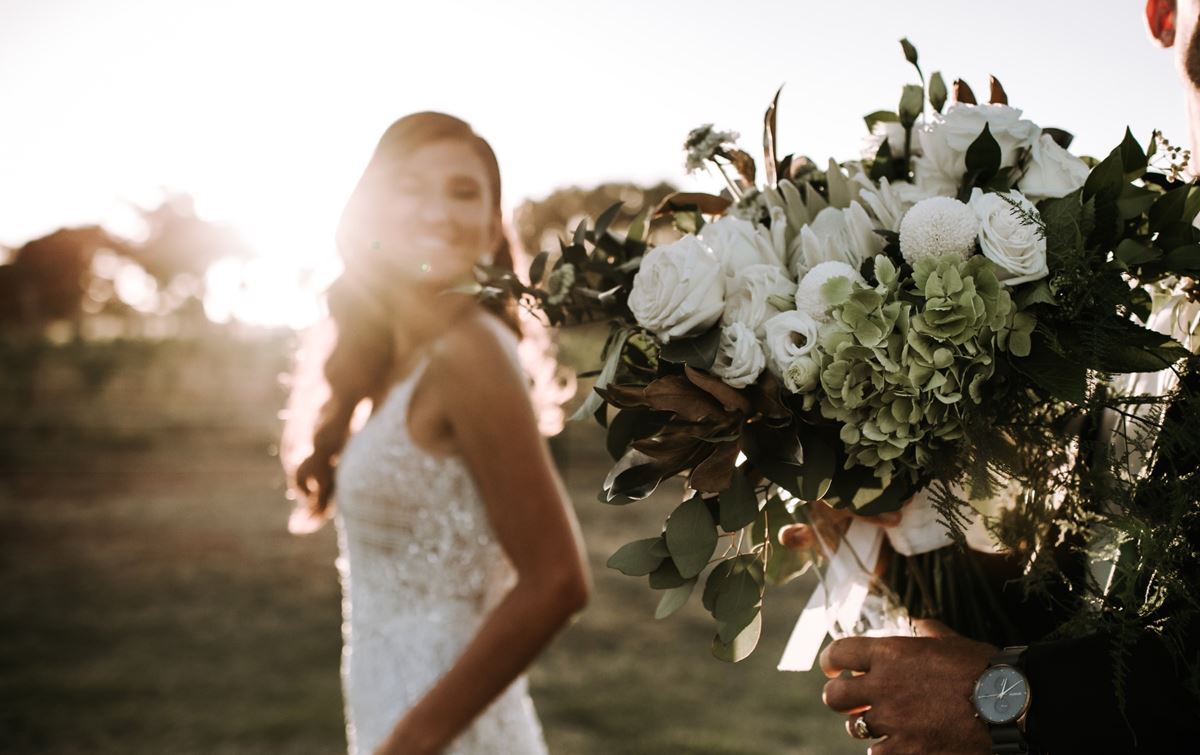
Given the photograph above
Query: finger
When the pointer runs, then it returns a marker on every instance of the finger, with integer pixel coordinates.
(853, 653)
(868, 717)
(796, 536)
(847, 696)
(885, 746)
(932, 628)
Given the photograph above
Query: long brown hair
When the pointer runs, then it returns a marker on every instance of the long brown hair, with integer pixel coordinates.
(363, 353)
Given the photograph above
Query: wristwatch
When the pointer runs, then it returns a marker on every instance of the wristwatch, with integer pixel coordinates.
(1001, 699)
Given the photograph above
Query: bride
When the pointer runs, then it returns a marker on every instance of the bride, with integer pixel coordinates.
(460, 554)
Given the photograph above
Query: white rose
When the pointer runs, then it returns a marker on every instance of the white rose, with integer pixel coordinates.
(944, 143)
(810, 297)
(836, 235)
(748, 295)
(679, 290)
(1016, 247)
(740, 357)
(1052, 172)
(802, 375)
(790, 335)
(739, 243)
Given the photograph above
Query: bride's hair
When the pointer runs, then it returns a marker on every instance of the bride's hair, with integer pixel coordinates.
(356, 345)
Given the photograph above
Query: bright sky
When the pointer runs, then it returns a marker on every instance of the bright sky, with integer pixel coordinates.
(267, 111)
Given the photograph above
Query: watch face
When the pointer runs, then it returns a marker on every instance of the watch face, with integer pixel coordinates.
(1001, 695)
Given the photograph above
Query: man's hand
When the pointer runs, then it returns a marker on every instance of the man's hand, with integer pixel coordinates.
(914, 692)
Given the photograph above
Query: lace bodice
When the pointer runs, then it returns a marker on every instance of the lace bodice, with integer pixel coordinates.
(420, 568)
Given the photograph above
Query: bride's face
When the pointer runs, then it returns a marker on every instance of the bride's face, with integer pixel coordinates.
(437, 216)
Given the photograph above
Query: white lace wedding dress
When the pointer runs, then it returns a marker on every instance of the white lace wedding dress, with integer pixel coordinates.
(420, 568)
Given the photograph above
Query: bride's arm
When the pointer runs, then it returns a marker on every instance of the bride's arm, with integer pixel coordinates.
(480, 384)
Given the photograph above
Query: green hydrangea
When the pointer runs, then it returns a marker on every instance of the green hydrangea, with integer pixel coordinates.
(902, 360)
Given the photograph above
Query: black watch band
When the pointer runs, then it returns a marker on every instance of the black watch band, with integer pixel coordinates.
(1008, 739)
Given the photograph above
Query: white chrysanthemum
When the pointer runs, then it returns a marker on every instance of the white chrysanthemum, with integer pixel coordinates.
(937, 226)
(808, 295)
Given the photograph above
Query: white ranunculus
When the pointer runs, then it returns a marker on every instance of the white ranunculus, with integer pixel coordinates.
(740, 357)
(809, 294)
(748, 295)
(1052, 172)
(789, 336)
(739, 243)
(836, 235)
(1014, 245)
(937, 226)
(679, 290)
(944, 143)
(802, 375)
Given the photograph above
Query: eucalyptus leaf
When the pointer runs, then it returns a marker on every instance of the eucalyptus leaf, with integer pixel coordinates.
(537, 268)
(742, 646)
(691, 537)
(580, 233)
(820, 465)
(638, 226)
(636, 559)
(675, 598)
(666, 577)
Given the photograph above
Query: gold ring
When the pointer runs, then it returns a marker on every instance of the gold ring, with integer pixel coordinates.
(859, 728)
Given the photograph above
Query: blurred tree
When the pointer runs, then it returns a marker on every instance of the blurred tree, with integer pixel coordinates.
(181, 244)
(539, 223)
(49, 276)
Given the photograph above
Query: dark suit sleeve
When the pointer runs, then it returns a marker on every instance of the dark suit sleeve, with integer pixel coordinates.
(1074, 704)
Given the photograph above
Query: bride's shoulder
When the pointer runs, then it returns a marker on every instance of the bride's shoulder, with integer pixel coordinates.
(474, 346)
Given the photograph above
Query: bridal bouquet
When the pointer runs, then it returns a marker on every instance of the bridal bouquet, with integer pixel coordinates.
(936, 318)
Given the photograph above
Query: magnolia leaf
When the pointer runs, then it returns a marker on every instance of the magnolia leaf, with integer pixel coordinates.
(715, 473)
(1133, 157)
(963, 94)
(675, 598)
(635, 483)
(742, 646)
(731, 398)
(678, 395)
(1184, 258)
(998, 96)
(699, 352)
(691, 537)
(606, 218)
(537, 268)
(1131, 253)
(983, 156)
(1169, 208)
(636, 559)
(639, 226)
(880, 116)
(595, 399)
(770, 158)
(709, 204)
(1061, 138)
(739, 503)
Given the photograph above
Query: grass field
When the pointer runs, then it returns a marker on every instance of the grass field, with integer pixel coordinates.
(153, 603)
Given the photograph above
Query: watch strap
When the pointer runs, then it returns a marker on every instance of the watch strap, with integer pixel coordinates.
(1008, 739)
